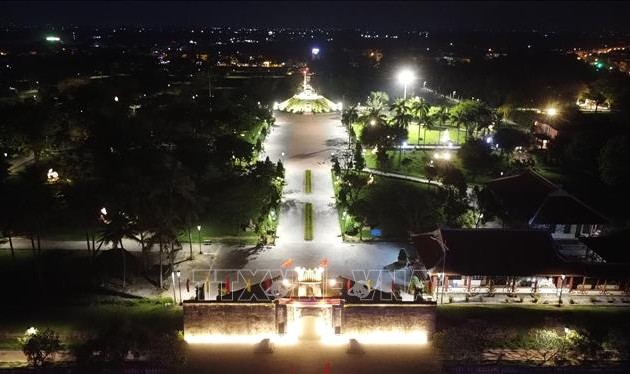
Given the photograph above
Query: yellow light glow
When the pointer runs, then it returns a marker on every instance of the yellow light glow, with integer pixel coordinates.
(392, 337)
(223, 339)
(551, 112)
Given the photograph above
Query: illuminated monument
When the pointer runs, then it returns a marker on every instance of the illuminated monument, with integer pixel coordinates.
(288, 306)
(307, 101)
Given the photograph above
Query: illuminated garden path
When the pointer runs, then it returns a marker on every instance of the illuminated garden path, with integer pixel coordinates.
(307, 142)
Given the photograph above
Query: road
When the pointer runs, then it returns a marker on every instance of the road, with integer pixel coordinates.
(306, 142)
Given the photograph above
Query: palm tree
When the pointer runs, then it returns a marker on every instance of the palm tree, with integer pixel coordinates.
(118, 227)
(458, 119)
(377, 100)
(348, 118)
(420, 112)
(165, 235)
(441, 116)
(401, 113)
(372, 117)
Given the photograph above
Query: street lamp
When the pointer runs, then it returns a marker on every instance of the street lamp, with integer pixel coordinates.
(561, 287)
(173, 282)
(179, 281)
(440, 275)
(406, 77)
(199, 233)
(552, 112)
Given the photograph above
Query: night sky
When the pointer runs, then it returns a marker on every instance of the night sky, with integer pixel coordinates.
(564, 15)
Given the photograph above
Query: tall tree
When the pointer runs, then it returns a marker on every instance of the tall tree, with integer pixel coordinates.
(377, 100)
(420, 112)
(401, 113)
(119, 226)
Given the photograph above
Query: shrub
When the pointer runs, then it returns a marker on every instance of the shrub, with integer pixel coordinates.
(464, 343)
(40, 347)
(169, 350)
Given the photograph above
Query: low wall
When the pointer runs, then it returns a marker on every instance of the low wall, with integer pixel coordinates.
(221, 318)
(366, 319)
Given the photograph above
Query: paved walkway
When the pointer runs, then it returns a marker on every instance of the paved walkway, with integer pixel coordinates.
(403, 177)
(307, 142)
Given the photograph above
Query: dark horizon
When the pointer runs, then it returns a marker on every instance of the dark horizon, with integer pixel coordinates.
(395, 15)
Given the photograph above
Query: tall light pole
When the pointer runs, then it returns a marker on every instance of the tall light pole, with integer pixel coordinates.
(199, 233)
(406, 77)
(179, 281)
(173, 282)
(443, 274)
(561, 287)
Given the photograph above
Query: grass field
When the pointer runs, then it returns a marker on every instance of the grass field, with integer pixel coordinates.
(517, 321)
(76, 322)
(307, 181)
(308, 221)
(433, 137)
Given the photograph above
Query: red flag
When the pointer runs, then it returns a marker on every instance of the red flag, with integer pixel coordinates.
(287, 263)
(227, 284)
(323, 263)
(327, 367)
(348, 284)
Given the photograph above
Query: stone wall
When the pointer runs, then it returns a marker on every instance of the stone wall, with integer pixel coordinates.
(359, 319)
(221, 318)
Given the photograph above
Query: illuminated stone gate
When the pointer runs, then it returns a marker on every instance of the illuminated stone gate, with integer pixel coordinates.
(307, 306)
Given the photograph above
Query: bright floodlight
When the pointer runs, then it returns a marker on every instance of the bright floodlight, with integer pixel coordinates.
(53, 39)
(315, 51)
(551, 112)
(406, 77)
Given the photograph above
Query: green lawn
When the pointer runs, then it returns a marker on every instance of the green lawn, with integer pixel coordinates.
(75, 322)
(307, 181)
(406, 162)
(308, 221)
(516, 322)
(432, 136)
(391, 205)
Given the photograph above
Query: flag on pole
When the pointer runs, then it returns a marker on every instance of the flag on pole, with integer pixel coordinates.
(287, 263)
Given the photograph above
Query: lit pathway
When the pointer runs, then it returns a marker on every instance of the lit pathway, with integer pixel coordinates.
(308, 142)
(402, 176)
